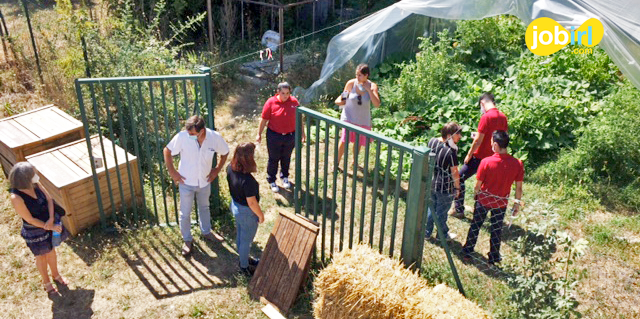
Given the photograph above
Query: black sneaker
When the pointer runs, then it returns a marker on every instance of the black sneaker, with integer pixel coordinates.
(494, 261)
(254, 261)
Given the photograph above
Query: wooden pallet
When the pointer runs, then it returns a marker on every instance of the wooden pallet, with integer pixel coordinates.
(285, 261)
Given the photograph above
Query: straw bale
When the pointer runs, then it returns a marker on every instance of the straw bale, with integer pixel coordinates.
(361, 283)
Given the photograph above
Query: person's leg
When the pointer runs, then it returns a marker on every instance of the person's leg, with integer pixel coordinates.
(341, 149)
(442, 208)
(41, 264)
(430, 211)
(52, 262)
(239, 225)
(497, 218)
(479, 215)
(362, 141)
(274, 156)
(204, 213)
(187, 194)
(247, 227)
(288, 144)
(359, 146)
(466, 171)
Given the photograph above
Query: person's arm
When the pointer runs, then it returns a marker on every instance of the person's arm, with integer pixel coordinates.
(516, 205)
(372, 89)
(168, 161)
(23, 211)
(476, 190)
(255, 208)
(347, 88)
(474, 146)
(50, 221)
(455, 174)
(261, 127)
(216, 170)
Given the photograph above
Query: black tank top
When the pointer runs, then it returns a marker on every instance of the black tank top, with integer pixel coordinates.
(36, 206)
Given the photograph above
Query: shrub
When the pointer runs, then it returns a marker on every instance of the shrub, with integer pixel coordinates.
(606, 158)
(490, 42)
(547, 99)
(424, 79)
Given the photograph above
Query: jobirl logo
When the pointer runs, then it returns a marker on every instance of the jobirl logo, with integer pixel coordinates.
(545, 36)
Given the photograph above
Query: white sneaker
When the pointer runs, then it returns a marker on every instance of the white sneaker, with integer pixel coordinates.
(274, 187)
(285, 183)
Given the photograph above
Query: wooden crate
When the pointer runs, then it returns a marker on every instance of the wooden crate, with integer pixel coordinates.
(285, 261)
(66, 173)
(35, 131)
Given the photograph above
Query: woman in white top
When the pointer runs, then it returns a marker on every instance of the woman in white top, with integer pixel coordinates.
(355, 101)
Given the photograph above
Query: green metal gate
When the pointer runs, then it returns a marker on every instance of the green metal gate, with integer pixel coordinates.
(386, 195)
(141, 115)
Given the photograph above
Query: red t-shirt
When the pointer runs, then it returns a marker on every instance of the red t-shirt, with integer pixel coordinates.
(281, 115)
(491, 121)
(497, 173)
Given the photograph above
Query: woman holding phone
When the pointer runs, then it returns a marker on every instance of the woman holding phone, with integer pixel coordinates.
(39, 222)
(355, 101)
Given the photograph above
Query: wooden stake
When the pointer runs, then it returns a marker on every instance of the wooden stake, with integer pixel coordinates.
(33, 40)
(281, 13)
(242, 18)
(210, 20)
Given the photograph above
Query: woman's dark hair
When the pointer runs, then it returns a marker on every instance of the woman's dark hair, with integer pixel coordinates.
(363, 68)
(243, 160)
(21, 174)
(450, 129)
(195, 122)
(502, 138)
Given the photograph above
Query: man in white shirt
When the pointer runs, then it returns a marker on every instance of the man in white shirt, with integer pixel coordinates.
(197, 146)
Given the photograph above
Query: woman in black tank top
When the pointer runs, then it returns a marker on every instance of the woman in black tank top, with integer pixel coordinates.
(34, 205)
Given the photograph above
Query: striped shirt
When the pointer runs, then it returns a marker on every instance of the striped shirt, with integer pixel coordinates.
(446, 157)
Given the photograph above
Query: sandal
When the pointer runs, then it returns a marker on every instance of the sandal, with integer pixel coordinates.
(60, 281)
(49, 288)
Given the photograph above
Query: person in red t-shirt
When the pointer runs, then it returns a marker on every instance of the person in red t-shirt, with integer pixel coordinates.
(496, 174)
(279, 115)
(492, 120)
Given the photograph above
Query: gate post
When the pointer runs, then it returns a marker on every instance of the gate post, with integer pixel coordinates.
(415, 219)
(208, 97)
(298, 186)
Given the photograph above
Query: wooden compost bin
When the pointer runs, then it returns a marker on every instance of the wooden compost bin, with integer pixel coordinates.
(66, 173)
(35, 131)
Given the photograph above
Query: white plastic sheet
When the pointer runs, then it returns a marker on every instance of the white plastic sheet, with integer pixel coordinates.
(365, 40)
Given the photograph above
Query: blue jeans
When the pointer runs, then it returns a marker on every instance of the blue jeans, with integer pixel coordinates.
(441, 205)
(247, 226)
(201, 195)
